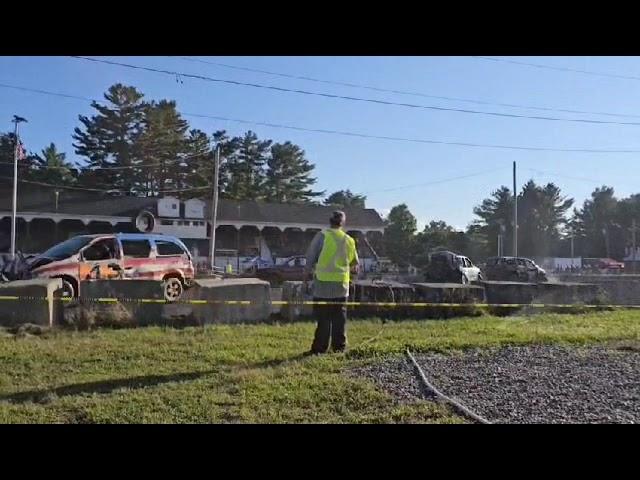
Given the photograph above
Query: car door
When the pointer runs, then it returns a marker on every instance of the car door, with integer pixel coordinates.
(532, 271)
(136, 259)
(100, 259)
(523, 270)
(472, 270)
(171, 257)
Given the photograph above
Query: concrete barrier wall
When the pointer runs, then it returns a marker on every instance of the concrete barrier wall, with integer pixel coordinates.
(254, 290)
(382, 291)
(44, 309)
(618, 289)
(510, 292)
(126, 313)
(242, 289)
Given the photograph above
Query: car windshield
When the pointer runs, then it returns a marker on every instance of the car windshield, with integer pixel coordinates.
(66, 248)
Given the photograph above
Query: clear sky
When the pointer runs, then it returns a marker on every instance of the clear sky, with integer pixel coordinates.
(388, 172)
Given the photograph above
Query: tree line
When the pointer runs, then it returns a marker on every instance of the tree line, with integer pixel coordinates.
(547, 226)
(137, 147)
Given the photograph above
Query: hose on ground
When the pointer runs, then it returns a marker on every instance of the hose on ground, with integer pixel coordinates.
(457, 406)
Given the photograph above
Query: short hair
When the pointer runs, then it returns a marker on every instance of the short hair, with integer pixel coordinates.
(337, 218)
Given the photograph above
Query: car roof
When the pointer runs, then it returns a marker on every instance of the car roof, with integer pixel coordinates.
(507, 257)
(134, 236)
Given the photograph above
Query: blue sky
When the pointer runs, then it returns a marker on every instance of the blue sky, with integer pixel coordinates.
(372, 166)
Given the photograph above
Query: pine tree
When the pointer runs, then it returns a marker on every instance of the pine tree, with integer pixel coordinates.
(25, 166)
(288, 175)
(344, 199)
(245, 168)
(228, 156)
(52, 167)
(109, 140)
(496, 218)
(198, 165)
(163, 148)
(399, 239)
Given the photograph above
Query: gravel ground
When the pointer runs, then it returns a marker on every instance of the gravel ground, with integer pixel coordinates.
(530, 384)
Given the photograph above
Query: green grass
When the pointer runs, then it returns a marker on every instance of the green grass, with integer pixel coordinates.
(250, 373)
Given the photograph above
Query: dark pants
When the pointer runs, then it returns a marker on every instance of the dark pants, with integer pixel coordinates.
(331, 324)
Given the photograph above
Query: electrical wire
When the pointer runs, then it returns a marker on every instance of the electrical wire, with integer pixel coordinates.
(87, 189)
(435, 182)
(405, 92)
(179, 75)
(356, 134)
(563, 69)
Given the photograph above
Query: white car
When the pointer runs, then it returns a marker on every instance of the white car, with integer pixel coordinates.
(470, 273)
(445, 266)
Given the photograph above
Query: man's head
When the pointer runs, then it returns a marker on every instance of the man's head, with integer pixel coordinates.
(337, 219)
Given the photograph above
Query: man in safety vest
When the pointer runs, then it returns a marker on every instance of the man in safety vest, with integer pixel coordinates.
(333, 254)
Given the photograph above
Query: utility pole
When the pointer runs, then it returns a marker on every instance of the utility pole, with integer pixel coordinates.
(214, 208)
(515, 213)
(16, 120)
(572, 234)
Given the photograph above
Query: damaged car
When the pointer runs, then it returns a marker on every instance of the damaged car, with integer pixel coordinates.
(450, 267)
(117, 256)
(514, 269)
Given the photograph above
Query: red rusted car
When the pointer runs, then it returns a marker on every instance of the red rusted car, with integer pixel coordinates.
(119, 255)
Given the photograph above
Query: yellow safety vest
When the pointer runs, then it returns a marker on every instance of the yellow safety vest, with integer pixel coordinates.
(338, 251)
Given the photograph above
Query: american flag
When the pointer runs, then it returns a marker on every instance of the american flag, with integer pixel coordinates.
(20, 151)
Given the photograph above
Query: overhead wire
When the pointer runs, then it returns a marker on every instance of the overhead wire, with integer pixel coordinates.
(564, 69)
(355, 134)
(179, 75)
(405, 92)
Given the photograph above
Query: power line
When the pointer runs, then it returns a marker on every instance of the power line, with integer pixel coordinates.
(568, 177)
(405, 92)
(357, 134)
(563, 69)
(178, 75)
(416, 140)
(167, 163)
(87, 189)
(435, 182)
(124, 167)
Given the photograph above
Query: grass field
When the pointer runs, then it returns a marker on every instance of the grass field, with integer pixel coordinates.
(248, 373)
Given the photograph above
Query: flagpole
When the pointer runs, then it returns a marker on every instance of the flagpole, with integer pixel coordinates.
(15, 120)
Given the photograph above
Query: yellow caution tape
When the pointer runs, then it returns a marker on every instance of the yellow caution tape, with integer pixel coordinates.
(315, 302)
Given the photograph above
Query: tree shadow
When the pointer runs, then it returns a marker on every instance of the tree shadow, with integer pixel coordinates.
(105, 386)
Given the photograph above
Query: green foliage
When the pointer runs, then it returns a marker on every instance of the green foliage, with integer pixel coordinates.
(541, 220)
(437, 235)
(110, 139)
(288, 177)
(399, 235)
(52, 167)
(345, 199)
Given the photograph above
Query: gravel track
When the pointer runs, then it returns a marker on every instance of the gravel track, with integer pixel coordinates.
(526, 384)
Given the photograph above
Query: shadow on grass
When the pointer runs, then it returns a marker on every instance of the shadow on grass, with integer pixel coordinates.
(105, 386)
(278, 362)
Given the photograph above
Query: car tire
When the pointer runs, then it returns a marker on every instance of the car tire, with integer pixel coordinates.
(172, 289)
(69, 287)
